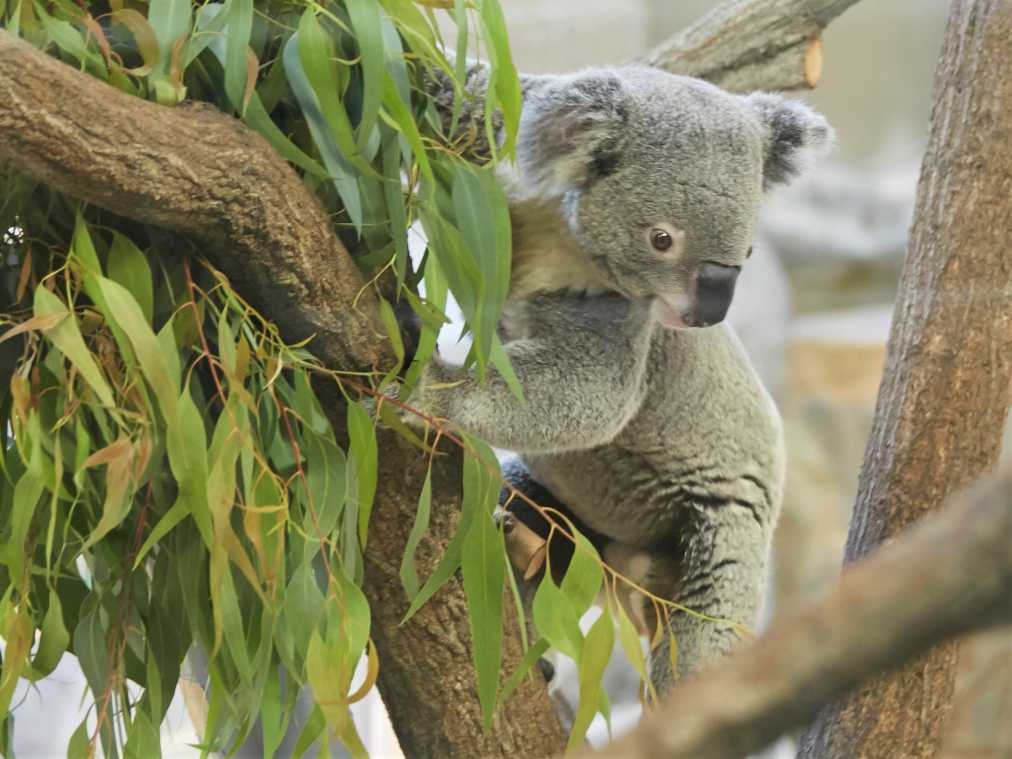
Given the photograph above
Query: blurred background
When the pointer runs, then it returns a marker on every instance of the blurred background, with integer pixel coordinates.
(813, 308)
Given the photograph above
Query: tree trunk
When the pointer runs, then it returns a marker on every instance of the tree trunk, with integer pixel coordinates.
(945, 393)
(427, 678)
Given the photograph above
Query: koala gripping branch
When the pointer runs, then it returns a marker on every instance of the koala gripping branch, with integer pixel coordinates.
(198, 172)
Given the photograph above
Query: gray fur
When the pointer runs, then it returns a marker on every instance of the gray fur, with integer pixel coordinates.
(661, 440)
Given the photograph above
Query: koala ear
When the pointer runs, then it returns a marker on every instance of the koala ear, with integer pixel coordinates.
(572, 131)
(796, 136)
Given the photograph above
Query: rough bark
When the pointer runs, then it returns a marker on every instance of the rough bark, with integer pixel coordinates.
(943, 399)
(749, 45)
(948, 576)
(427, 678)
(200, 173)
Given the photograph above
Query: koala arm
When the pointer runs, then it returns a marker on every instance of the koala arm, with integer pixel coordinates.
(580, 368)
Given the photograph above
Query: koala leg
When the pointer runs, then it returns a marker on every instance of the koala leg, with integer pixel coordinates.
(719, 570)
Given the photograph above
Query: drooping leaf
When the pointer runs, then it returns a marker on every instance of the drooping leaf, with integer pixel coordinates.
(591, 665)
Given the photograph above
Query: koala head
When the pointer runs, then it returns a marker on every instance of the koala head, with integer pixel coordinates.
(659, 178)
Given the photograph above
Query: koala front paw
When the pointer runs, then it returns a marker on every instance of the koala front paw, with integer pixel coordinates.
(431, 397)
(371, 403)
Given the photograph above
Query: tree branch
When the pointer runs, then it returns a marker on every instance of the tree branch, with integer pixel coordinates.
(199, 172)
(747, 45)
(946, 577)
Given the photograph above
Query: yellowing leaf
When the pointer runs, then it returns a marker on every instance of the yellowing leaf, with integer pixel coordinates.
(41, 323)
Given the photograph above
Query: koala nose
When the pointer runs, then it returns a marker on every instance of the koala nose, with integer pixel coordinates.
(714, 288)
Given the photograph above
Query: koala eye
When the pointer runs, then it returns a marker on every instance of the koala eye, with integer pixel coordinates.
(749, 253)
(660, 239)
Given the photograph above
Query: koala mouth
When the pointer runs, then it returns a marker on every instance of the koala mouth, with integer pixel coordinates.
(713, 290)
(671, 315)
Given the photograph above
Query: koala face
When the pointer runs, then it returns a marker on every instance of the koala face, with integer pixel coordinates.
(660, 177)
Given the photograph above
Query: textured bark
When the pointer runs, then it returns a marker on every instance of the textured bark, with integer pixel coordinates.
(748, 45)
(195, 171)
(427, 678)
(945, 392)
(948, 576)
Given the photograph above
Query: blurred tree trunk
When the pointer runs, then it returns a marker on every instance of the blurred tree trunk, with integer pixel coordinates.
(944, 397)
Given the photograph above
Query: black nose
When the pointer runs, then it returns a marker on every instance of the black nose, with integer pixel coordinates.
(714, 288)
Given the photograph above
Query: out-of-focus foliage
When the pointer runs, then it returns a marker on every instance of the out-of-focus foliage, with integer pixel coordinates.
(169, 478)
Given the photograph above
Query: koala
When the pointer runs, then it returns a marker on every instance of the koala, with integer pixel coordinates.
(633, 199)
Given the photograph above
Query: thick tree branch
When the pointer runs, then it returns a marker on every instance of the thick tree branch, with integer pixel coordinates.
(198, 172)
(948, 576)
(427, 676)
(747, 45)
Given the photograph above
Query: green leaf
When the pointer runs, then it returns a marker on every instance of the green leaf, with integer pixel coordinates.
(170, 20)
(408, 573)
(592, 662)
(362, 457)
(504, 84)
(128, 267)
(365, 20)
(395, 208)
(307, 66)
(303, 608)
(393, 332)
(260, 121)
(480, 492)
(630, 640)
(70, 40)
(143, 740)
(483, 566)
(556, 619)
(584, 575)
(67, 337)
(186, 445)
(325, 482)
(237, 34)
(531, 657)
(53, 640)
(130, 318)
(399, 112)
(79, 746)
(27, 493)
(91, 650)
(483, 221)
(314, 729)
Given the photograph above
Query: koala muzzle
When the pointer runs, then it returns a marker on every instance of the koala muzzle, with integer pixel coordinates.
(714, 289)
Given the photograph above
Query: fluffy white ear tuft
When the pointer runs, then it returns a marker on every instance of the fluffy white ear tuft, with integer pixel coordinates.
(571, 131)
(797, 135)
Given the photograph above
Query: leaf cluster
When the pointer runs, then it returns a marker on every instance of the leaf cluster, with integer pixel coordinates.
(169, 477)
